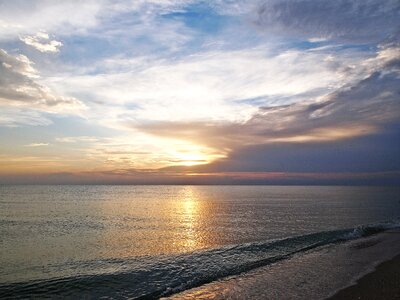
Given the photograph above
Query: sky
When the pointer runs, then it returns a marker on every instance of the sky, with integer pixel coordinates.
(200, 92)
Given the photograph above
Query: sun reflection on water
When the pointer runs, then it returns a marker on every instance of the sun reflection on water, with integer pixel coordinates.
(171, 220)
(190, 214)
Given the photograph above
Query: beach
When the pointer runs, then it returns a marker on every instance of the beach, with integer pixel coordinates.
(383, 283)
(342, 271)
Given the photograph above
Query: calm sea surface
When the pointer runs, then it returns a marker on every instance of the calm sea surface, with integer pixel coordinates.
(132, 241)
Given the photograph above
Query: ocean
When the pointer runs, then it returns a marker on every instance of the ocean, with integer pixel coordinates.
(119, 242)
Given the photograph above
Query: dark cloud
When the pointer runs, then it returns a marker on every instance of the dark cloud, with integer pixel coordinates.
(365, 21)
(361, 108)
(372, 153)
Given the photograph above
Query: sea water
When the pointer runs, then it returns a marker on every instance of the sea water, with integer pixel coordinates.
(155, 241)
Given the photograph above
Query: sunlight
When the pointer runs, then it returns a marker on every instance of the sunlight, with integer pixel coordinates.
(144, 151)
(192, 159)
(184, 153)
(189, 208)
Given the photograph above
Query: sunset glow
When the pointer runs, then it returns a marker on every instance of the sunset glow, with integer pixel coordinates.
(149, 87)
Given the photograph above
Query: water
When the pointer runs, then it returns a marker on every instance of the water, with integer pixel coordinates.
(152, 241)
(315, 274)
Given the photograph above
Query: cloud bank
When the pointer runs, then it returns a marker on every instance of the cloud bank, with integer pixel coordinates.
(359, 21)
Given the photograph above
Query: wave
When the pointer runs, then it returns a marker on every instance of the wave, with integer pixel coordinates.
(366, 230)
(155, 277)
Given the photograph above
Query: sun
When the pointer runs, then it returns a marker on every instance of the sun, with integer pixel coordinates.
(192, 159)
(185, 153)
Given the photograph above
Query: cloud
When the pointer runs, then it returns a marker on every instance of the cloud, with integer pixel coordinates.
(41, 42)
(20, 87)
(214, 85)
(359, 21)
(29, 17)
(37, 145)
(75, 17)
(160, 91)
(140, 150)
(358, 108)
(16, 117)
(77, 139)
(369, 153)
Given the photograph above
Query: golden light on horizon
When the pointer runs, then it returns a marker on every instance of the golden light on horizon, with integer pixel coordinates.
(192, 159)
(190, 154)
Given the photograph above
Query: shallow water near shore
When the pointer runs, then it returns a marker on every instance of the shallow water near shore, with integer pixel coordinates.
(315, 274)
(154, 241)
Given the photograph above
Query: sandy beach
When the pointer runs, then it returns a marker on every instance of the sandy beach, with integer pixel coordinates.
(383, 283)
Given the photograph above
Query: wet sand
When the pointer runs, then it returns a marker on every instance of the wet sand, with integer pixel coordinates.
(323, 273)
(383, 283)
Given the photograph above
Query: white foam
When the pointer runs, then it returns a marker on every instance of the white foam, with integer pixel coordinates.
(316, 274)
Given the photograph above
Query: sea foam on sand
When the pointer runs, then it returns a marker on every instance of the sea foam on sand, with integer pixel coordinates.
(316, 274)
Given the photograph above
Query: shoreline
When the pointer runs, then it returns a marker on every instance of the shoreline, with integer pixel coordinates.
(364, 268)
(382, 283)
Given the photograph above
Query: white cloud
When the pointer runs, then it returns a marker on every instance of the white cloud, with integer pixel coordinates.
(37, 145)
(29, 17)
(20, 87)
(218, 85)
(41, 42)
(77, 139)
(74, 16)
